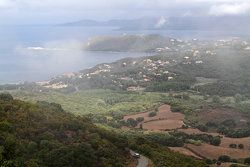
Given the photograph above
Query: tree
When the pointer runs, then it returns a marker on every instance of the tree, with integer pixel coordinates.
(216, 99)
(238, 98)
(215, 141)
(6, 97)
(32, 163)
(132, 122)
(202, 128)
(32, 146)
(229, 123)
(209, 161)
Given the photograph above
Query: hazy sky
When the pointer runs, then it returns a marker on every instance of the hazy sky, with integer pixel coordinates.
(57, 11)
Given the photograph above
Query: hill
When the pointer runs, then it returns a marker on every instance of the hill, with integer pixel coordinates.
(42, 134)
(208, 67)
(219, 23)
(129, 43)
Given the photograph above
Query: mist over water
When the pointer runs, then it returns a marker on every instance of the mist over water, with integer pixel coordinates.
(35, 53)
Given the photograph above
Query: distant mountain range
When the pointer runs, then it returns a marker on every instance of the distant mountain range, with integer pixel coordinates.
(224, 23)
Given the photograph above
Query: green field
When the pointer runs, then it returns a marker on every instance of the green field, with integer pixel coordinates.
(97, 101)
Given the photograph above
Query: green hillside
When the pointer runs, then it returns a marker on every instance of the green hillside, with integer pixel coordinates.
(134, 43)
(42, 134)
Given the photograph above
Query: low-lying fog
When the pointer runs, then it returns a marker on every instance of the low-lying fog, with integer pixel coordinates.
(35, 53)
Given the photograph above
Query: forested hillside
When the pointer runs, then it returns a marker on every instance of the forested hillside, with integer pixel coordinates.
(135, 43)
(43, 135)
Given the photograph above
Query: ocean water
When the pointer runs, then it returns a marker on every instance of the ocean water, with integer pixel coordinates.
(35, 53)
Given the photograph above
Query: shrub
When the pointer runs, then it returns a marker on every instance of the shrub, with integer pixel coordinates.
(132, 122)
(211, 124)
(233, 146)
(5, 126)
(238, 98)
(215, 141)
(152, 114)
(247, 160)
(140, 119)
(216, 99)
(202, 128)
(209, 161)
(224, 158)
(6, 97)
(32, 163)
(240, 146)
(194, 142)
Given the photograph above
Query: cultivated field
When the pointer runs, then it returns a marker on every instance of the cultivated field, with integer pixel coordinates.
(220, 114)
(164, 120)
(184, 151)
(226, 141)
(213, 152)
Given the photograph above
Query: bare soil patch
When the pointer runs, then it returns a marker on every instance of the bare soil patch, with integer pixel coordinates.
(165, 119)
(184, 151)
(162, 125)
(227, 165)
(213, 152)
(219, 115)
(226, 141)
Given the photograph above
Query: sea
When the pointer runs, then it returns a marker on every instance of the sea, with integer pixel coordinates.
(38, 53)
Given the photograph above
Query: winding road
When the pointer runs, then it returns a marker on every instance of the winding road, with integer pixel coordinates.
(142, 161)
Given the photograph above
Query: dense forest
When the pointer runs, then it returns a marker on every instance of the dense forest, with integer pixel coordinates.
(43, 134)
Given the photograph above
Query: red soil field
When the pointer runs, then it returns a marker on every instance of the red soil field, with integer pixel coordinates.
(213, 152)
(164, 120)
(184, 151)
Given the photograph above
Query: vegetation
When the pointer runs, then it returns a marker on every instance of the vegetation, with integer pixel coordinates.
(152, 114)
(42, 134)
(161, 156)
(211, 90)
(127, 43)
(247, 161)
(224, 158)
(213, 140)
(45, 135)
(97, 101)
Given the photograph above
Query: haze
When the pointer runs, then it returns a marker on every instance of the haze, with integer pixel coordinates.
(59, 11)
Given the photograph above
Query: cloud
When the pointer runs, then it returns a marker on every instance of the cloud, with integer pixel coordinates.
(161, 22)
(56, 11)
(52, 57)
(5, 4)
(230, 9)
